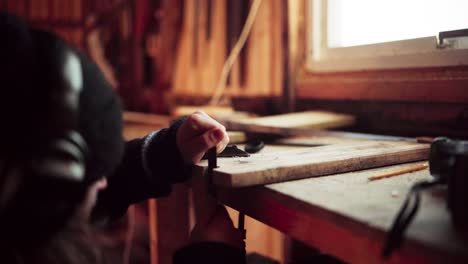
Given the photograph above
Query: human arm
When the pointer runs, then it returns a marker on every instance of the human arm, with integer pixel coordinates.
(152, 164)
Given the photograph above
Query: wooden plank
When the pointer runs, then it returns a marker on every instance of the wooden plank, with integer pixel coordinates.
(306, 120)
(319, 140)
(270, 166)
(258, 79)
(400, 118)
(183, 72)
(138, 125)
(236, 137)
(278, 60)
(146, 119)
(436, 90)
(347, 216)
(185, 110)
(216, 46)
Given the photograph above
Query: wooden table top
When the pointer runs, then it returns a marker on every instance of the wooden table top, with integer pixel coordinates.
(348, 216)
(282, 163)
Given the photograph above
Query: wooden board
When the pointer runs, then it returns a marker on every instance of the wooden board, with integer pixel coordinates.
(276, 164)
(138, 125)
(145, 119)
(210, 110)
(236, 137)
(313, 120)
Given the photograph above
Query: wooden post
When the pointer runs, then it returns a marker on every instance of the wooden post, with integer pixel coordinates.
(153, 230)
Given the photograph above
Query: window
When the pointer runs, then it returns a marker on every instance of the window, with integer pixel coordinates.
(386, 34)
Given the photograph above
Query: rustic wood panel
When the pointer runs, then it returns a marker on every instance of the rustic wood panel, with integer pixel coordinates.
(278, 164)
(417, 85)
(62, 17)
(279, 124)
(199, 76)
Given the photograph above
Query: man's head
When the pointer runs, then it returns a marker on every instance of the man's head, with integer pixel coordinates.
(62, 128)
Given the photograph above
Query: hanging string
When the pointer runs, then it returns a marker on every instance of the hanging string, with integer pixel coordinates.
(218, 93)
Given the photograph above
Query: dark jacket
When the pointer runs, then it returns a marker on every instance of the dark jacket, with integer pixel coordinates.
(149, 168)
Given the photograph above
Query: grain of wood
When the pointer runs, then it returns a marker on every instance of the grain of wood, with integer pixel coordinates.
(304, 162)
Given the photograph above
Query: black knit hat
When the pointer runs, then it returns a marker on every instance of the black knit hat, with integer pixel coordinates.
(100, 121)
(100, 114)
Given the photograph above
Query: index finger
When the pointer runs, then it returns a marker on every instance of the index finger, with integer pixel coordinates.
(200, 122)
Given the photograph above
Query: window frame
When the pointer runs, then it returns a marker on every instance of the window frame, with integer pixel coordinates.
(409, 53)
(419, 84)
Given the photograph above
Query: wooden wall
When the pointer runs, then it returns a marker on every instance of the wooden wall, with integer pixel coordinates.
(65, 17)
(188, 42)
(111, 32)
(203, 46)
(62, 16)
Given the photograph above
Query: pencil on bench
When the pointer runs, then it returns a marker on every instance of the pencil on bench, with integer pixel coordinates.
(399, 172)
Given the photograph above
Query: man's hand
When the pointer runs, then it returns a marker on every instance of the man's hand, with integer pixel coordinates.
(217, 228)
(198, 134)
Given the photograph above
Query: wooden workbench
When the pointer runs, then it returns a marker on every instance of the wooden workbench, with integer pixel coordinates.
(347, 216)
(344, 214)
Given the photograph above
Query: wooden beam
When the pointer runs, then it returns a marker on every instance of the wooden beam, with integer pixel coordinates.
(417, 85)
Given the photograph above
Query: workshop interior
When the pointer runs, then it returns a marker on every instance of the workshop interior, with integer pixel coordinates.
(348, 120)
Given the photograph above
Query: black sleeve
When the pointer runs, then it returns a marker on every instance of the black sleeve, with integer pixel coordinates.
(148, 169)
(208, 253)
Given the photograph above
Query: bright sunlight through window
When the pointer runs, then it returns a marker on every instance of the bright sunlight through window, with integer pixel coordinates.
(359, 22)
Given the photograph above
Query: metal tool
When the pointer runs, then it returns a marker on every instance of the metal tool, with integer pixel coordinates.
(213, 164)
(229, 152)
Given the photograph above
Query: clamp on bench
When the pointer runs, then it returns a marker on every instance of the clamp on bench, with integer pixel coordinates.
(213, 164)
